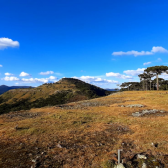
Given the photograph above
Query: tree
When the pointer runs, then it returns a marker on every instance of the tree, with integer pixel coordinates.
(134, 86)
(157, 70)
(160, 81)
(163, 84)
(125, 84)
(148, 77)
(142, 78)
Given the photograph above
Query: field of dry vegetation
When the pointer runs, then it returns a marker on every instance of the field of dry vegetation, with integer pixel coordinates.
(86, 133)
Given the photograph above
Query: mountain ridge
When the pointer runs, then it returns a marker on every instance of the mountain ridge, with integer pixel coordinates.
(5, 88)
(64, 91)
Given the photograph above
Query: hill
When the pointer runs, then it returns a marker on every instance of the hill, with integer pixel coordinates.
(89, 133)
(4, 88)
(111, 89)
(64, 91)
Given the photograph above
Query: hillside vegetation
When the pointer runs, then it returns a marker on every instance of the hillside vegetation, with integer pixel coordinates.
(87, 134)
(64, 91)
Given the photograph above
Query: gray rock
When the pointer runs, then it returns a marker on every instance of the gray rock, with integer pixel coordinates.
(119, 166)
(144, 165)
(135, 105)
(33, 160)
(145, 111)
(136, 114)
(59, 146)
(141, 156)
(162, 111)
(155, 110)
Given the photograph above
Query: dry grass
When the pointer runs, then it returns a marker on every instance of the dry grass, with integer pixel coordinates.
(86, 136)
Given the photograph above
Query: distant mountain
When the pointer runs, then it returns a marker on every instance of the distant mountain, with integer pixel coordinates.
(64, 91)
(4, 88)
(111, 89)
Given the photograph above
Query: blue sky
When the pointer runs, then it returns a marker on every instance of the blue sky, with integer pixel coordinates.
(103, 42)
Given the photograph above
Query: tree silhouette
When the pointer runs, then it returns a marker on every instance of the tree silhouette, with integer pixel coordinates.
(125, 84)
(157, 70)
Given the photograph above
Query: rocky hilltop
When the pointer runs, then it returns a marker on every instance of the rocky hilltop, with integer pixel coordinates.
(64, 91)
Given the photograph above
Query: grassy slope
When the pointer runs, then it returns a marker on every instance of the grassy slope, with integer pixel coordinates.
(64, 91)
(86, 133)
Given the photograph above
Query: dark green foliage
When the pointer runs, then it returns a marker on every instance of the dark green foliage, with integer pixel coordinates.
(87, 89)
(1, 100)
(59, 98)
(20, 105)
(157, 69)
(131, 86)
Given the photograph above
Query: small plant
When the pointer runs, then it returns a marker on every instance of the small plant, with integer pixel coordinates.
(108, 164)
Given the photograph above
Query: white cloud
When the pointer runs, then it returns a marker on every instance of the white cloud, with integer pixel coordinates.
(39, 80)
(147, 63)
(118, 75)
(46, 73)
(6, 42)
(35, 80)
(137, 53)
(95, 80)
(12, 78)
(8, 74)
(164, 76)
(57, 73)
(134, 72)
(24, 74)
(1, 66)
(159, 49)
(52, 78)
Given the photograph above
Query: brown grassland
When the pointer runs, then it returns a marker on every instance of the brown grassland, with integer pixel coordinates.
(86, 133)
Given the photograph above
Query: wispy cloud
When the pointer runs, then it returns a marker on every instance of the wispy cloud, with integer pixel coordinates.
(8, 74)
(46, 73)
(58, 74)
(118, 75)
(147, 63)
(24, 74)
(154, 50)
(1, 66)
(12, 78)
(159, 59)
(96, 80)
(134, 72)
(6, 42)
